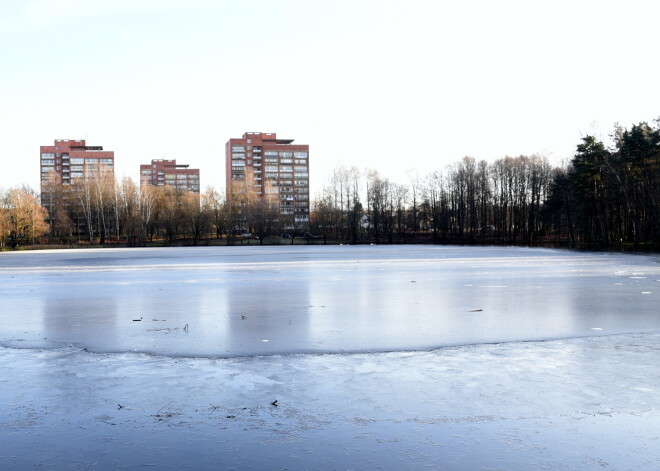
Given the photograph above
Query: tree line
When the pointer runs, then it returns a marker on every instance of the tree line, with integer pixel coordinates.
(603, 196)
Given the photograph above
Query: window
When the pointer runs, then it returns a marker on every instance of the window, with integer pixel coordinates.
(238, 163)
(47, 155)
(238, 156)
(271, 168)
(47, 162)
(79, 161)
(270, 153)
(300, 155)
(238, 148)
(286, 168)
(286, 154)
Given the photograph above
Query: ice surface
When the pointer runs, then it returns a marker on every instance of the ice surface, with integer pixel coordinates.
(318, 299)
(97, 371)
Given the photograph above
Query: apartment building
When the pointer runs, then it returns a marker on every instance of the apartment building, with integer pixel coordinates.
(167, 172)
(271, 168)
(69, 161)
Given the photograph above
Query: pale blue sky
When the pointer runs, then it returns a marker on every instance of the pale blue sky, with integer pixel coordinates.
(376, 84)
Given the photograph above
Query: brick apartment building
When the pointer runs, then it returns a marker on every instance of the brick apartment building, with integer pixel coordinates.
(271, 168)
(167, 172)
(69, 161)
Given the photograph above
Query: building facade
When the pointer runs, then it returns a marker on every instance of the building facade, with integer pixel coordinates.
(167, 172)
(70, 161)
(273, 169)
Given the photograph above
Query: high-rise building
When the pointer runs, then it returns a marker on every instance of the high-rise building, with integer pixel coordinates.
(167, 172)
(270, 168)
(69, 161)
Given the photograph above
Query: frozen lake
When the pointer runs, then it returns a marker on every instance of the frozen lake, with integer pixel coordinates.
(379, 357)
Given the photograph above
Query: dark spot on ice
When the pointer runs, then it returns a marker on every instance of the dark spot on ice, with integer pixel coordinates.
(274, 403)
(231, 416)
(137, 320)
(243, 317)
(476, 310)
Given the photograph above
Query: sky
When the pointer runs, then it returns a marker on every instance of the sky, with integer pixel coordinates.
(400, 87)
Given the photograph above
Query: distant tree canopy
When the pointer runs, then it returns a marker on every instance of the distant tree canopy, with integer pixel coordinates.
(603, 196)
(610, 195)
